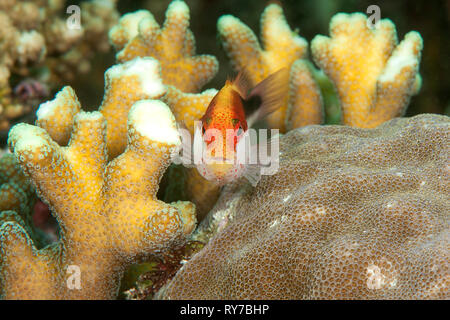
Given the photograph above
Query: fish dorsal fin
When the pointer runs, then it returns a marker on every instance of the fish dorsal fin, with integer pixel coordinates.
(242, 84)
(272, 91)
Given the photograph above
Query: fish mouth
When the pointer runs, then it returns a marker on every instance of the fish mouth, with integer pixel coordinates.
(219, 160)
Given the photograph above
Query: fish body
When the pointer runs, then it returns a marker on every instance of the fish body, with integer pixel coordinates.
(224, 113)
(220, 132)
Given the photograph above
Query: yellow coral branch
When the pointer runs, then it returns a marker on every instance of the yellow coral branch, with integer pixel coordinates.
(108, 213)
(56, 116)
(188, 107)
(125, 84)
(281, 47)
(374, 76)
(139, 35)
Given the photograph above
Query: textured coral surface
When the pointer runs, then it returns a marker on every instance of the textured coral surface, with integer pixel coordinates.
(183, 72)
(351, 214)
(17, 195)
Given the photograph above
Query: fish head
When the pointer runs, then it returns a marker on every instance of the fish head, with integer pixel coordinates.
(217, 143)
(222, 133)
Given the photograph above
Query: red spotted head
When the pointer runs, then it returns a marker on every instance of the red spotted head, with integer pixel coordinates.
(224, 124)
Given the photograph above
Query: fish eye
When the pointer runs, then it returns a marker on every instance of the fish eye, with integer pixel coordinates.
(240, 131)
(203, 129)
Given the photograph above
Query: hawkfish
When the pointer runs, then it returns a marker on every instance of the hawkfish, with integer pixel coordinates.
(221, 133)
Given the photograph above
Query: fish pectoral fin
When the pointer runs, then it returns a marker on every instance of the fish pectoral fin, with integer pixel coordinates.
(264, 157)
(253, 174)
(272, 91)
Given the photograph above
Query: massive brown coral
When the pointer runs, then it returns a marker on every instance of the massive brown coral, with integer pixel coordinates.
(351, 214)
(183, 72)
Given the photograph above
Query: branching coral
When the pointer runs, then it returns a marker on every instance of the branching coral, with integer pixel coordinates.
(108, 211)
(125, 84)
(374, 75)
(351, 214)
(282, 48)
(138, 35)
(35, 41)
(17, 195)
(18, 199)
(184, 73)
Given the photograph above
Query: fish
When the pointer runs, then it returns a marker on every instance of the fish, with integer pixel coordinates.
(221, 133)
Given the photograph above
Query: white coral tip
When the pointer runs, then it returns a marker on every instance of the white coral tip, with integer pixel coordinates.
(154, 120)
(148, 71)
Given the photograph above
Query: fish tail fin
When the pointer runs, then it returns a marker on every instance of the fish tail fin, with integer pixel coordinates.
(242, 83)
(272, 91)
